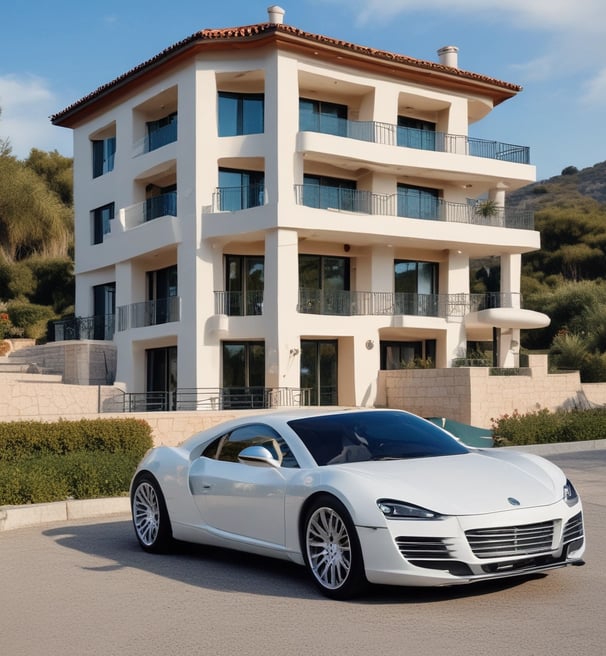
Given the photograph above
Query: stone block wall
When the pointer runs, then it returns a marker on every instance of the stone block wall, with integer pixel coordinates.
(473, 396)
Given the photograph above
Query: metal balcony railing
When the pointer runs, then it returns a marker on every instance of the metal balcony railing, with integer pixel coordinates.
(150, 209)
(239, 304)
(100, 326)
(156, 139)
(233, 199)
(149, 313)
(216, 398)
(401, 205)
(394, 135)
(361, 303)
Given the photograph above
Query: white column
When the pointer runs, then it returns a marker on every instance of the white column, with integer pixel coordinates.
(281, 296)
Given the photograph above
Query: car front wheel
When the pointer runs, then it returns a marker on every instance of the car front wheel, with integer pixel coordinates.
(332, 550)
(150, 517)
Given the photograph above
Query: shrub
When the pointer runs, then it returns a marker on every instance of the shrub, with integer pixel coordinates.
(31, 318)
(42, 462)
(22, 439)
(546, 427)
(77, 475)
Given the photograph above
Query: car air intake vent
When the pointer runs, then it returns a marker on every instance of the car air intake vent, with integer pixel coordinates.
(573, 528)
(511, 540)
(424, 548)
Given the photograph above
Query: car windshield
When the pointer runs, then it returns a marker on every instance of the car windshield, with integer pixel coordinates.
(363, 436)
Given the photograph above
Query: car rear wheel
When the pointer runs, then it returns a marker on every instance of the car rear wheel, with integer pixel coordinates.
(332, 549)
(150, 517)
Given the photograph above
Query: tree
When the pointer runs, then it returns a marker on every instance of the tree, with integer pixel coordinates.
(33, 220)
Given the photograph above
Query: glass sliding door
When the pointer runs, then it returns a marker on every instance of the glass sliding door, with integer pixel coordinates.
(243, 375)
(319, 369)
(161, 377)
(104, 310)
(244, 284)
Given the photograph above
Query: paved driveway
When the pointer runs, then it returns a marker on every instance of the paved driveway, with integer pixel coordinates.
(72, 589)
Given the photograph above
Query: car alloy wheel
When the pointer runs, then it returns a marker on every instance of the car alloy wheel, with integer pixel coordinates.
(332, 551)
(150, 517)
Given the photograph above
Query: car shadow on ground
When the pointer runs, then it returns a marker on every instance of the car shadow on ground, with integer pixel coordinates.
(232, 571)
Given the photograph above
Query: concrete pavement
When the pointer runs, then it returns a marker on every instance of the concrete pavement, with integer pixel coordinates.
(14, 517)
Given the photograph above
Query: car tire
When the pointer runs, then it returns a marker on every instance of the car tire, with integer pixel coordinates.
(150, 516)
(331, 549)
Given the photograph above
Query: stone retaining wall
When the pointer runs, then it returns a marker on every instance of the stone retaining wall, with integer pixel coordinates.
(473, 396)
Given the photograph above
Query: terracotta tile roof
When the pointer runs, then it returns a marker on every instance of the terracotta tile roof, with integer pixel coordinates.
(251, 33)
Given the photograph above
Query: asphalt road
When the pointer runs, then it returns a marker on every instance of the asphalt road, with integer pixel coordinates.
(75, 589)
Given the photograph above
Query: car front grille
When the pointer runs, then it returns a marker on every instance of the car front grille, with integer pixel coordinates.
(511, 540)
(574, 528)
(426, 548)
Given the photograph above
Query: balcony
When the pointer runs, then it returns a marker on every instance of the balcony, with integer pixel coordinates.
(149, 313)
(233, 199)
(150, 209)
(365, 202)
(239, 304)
(394, 135)
(358, 303)
(100, 326)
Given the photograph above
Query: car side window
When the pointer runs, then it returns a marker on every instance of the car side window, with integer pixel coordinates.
(228, 447)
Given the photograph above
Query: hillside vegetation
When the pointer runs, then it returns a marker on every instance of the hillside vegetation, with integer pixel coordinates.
(36, 241)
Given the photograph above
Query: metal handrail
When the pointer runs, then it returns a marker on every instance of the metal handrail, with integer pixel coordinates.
(99, 326)
(149, 313)
(216, 398)
(239, 304)
(362, 303)
(395, 135)
(399, 204)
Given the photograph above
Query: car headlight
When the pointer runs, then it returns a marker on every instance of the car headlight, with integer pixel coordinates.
(400, 510)
(570, 494)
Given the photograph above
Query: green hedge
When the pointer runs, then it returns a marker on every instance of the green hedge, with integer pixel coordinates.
(42, 462)
(23, 439)
(546, 427)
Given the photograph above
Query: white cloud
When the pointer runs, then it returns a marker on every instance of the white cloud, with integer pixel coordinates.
(595, 91)
(27, 102)
(582, 15)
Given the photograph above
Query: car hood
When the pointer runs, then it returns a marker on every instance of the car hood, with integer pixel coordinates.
(470, 484)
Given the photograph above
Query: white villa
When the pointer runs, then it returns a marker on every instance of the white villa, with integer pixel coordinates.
(266, 216)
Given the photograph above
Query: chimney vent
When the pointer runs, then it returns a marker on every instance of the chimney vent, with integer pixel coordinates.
(276, 14)
(449, 56)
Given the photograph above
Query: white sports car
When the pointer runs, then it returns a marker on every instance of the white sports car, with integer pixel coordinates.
(357, 496)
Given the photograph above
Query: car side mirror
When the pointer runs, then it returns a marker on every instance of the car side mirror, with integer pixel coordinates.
(257, 456)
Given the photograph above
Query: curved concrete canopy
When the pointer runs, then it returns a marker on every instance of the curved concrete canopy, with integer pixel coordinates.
(507, 318)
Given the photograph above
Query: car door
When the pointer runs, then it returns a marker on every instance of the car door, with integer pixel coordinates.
(243, 501)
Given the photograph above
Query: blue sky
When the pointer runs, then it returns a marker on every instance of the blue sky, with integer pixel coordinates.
(54, 53)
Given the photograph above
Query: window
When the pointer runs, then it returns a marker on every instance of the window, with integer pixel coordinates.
(403, 355)
(336, 193)
(324, 285)
(228, 447)
(161, 132)
(104, 151)
(239, 190)
(415, 133)
(101, 217)
(244, 284)
(319, 116)
(240, 113)
(416, 287)
(418, 202)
